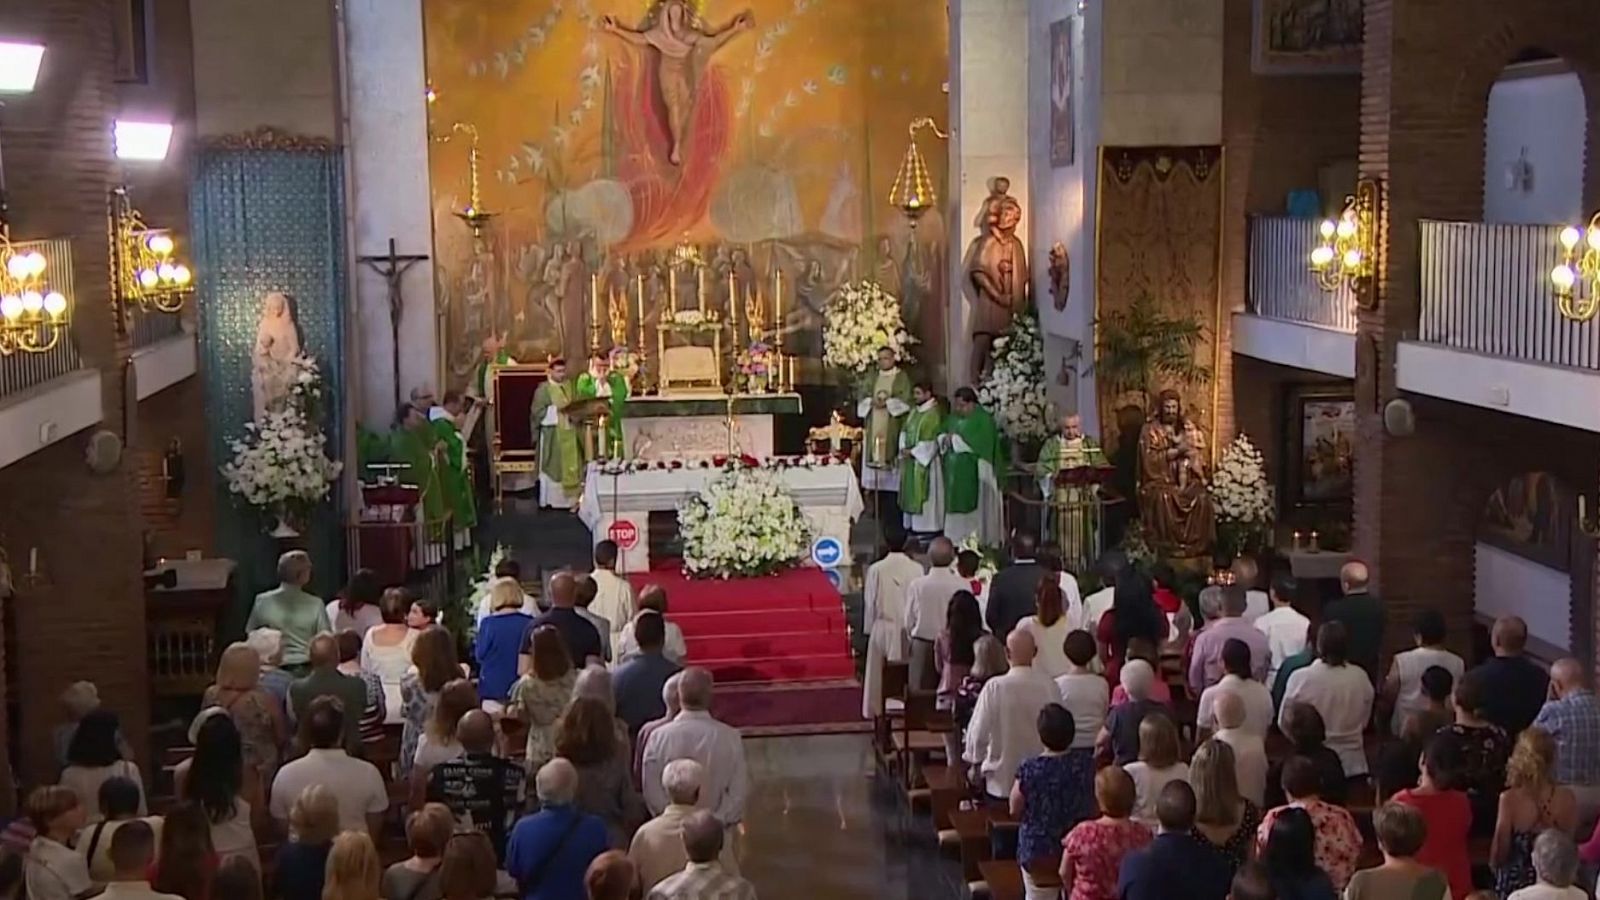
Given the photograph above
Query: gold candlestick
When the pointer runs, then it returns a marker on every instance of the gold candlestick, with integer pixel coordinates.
(733, 308)
(672, 288)
(594, 313)
(700, 289)
(777, 311)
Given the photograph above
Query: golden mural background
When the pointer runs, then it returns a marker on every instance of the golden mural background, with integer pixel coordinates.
(1160, 227)
(790, 123)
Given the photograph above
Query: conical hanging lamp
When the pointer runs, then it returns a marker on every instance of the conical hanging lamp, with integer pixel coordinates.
(912, 192)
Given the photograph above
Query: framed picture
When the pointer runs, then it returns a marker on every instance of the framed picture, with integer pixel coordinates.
(1062, 136)
(131, 33)
(1531, 515)
(1321, 453)
(1306, 37)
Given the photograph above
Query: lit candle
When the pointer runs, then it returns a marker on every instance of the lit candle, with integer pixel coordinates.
(594, 311)
(672, 287)
(1314, 541)
(700, 288)
(33, 561)
(733, 306)
(639, 295)
(1296, 543)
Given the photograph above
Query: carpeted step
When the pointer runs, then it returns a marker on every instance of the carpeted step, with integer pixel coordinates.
(766, 621)
(769, 644)
(788, 668)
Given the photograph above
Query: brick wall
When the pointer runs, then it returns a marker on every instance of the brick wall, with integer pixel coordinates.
(1427, 70)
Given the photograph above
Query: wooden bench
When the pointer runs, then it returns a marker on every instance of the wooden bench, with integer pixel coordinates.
(972, 834)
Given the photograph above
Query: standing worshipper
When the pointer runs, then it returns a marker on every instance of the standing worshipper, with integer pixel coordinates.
(657, 847)
(579, 634)
(1403, 686)
(1572, 719)
(290, 610)
(356, 785)
(94, 757)
(1206, 667)
(543, 692)
(325, 680)
(583, 600)
(1520, 684)
(1013, 591)
(478, 786)
(695, 735)
(705, 878)
(1555, 861)
(560, 456)
(922, 498)
(1531, 803)
(1004, 729)
(1447, 814)
(1400, 831)
(499, 642)
(605, 383)
(132, 852)
(885, 401)
(1257, 698)
(52, 870)
(1249, 747)
(1084, 693)
(1093, 851)
(1284, 626)
(974, 462)
(1247, 575)
(356, 607)
(434, 666)
(455, 473)
(927, 608)
(887, 583)
(640, 681)
(1054, 791)
(1174, 857)
(1340, 693)
(1362, 614)
(613, 599)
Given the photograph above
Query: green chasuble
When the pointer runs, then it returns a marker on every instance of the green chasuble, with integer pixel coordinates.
(922, 425)
(415, 448)
(1060, 454)
(454, 474)
(882, 424)
(588, 387)
(560, 458)
(978, 430)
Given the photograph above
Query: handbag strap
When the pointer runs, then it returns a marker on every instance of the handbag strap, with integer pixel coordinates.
(536, 877)
(94, 841)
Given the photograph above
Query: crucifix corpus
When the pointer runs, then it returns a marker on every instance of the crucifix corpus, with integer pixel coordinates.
(393, 267)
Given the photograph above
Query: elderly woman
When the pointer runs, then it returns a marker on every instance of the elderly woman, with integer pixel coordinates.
(594, 682)
(254, 711)
(275, 679)
(1555, 860)
(1400, 831)
(669, 696)
(1119, 737)
(499, 641)
(587, 737)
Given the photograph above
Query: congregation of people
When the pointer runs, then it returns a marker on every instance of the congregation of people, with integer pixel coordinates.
(571, 755)
(1241, 748)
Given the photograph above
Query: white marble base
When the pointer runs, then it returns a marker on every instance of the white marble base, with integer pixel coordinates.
(697, 437)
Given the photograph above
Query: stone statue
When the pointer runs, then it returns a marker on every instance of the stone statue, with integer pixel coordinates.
(1174, 501)
(272, 369)
(997, 267)
(1060, 274)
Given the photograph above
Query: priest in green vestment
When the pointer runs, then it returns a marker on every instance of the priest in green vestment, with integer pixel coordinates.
(416, 444)
(560, 456)
(604, 382)
(455, 476)
(974, 463)
(921, 475)
(884, 402)
(1074, 516)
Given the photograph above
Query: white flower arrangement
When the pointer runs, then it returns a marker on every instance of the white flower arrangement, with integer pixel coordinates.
(988, 556)
(861, 319)
(744, 524)
(1242, 496)
(475, 604)
(280, 463)
(1014, 391)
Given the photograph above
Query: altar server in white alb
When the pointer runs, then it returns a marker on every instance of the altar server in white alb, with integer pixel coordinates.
(921, 475)
(974, 462)
(885, 403)
(885, 614)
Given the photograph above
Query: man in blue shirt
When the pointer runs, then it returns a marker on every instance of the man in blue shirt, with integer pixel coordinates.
(581, 637)
(550, 850)
(1175, 857)
(639, 681)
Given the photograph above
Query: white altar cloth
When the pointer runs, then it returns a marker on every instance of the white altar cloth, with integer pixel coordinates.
(830, 496)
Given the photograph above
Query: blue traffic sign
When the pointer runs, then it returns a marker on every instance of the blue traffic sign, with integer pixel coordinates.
(827, 552)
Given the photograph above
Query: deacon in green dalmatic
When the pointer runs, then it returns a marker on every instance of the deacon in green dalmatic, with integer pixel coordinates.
(606, 383)
(456, 477)
(560, 457)
(885, 401)
(974, 462)
(921, 475)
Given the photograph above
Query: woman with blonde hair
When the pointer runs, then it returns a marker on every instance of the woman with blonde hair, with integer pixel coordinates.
(1160, 761)
(52, 870)
(433, 665)
(1223, 819)
(259, 718)
(303, 859)
(469, 870)
(541, 696)
(354, 869)
(1531, 803)
(499, 641)
(438, 742)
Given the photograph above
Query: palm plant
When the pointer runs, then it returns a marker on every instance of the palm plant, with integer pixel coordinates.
(1143, 344)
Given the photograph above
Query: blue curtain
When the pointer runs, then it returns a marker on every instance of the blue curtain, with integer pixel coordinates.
(263, 221)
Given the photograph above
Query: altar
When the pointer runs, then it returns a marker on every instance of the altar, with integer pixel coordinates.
(618, 506)
(693, 428)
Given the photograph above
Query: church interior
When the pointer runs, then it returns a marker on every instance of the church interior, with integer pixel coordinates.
(745, 289)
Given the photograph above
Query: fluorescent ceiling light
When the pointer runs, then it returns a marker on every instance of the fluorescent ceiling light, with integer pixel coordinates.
(143, 140)
(19, 66)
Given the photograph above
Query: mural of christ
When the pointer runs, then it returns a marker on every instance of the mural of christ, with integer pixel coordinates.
(683, 43)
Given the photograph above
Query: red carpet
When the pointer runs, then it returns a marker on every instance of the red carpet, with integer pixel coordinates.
(782, 628)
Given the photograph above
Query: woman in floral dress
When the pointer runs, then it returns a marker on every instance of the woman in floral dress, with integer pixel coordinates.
(1092, 853)
(540, 697)
(255, 713)
(434, 665)
(1053, 792)
(1339, 842)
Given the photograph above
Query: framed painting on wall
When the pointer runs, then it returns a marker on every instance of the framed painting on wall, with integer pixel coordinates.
(1322, 437)
(1531, 515)
(1306, 37)
(1063, 150)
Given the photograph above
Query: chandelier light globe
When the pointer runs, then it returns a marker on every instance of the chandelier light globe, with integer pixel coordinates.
(32, 302)
(148, 278)
(17, 267)
(1327, 229)
(1570, 237)
(1346, 228)
(36, 263)
(1564, 277)
(1322, 256)
(160, 244)
(166, 272)
(1352, 259)
(1592, 237)
(11, 306)
(181, 275)
(55, 303)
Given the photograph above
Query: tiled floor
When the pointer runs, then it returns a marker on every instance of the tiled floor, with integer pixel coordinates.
(820, 825)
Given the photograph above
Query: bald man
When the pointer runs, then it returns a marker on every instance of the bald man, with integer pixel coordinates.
(1519, 685)
(1004, 730)
(1362, 614)
(478, 786)
(325, 680)
(578, 633)
(1572, 717)
(927, 602)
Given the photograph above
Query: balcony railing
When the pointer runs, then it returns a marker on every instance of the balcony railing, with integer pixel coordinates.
(152, 325)
(1486, 288)
(1282, 285)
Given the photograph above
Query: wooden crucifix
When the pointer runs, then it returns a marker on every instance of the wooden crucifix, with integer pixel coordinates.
(393, 267)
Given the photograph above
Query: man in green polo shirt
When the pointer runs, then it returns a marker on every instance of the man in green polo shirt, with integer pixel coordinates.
(300, 616)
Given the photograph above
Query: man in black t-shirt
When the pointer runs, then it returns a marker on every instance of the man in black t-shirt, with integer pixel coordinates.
(478, 786)
(1519, 685)
(579, 634)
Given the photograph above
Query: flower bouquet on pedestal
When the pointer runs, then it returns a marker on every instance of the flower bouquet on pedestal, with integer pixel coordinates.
(743, 525)
(280, 464)
(1243, 500)
(756, 364)
(861, 319)
(1014, 391)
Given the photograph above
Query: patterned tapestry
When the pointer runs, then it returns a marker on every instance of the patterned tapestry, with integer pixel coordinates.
(619, 138)
(263, 221)
(1160, 232)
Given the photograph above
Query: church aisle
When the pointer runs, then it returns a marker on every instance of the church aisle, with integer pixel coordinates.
(819, 825)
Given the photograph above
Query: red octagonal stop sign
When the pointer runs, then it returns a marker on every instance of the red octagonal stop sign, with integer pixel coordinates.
(624, 533)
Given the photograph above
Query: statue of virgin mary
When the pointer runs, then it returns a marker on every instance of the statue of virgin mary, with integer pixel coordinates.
(272, 369)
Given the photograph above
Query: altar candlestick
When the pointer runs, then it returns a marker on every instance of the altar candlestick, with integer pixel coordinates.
(594, 313)
(733, 307)
(700, 288)
(672, 288)
(777, 311)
